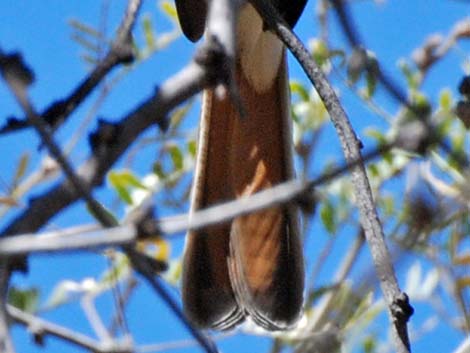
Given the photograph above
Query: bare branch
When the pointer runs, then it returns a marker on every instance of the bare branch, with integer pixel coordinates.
(6, 344)
(436, 47)
(464, 347)
(354, 39)
(181, 86)
(20, 93)
(399, 309)
(67, 241)
(204, 341)
(87, 237)
(94, 236)
(121, 51)
(40, 328)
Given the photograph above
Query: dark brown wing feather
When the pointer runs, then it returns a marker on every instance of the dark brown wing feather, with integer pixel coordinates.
(208, 297)
(192, 14)
(192, 17)
(290, 10)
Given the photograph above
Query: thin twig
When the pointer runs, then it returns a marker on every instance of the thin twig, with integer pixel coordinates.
(436, 46)
(6, 343)
(317, 322)
(40, 327)
(167, 346)
(353, 37)
(205, 341)
(75, 238)
(20, 93)
(121, 51)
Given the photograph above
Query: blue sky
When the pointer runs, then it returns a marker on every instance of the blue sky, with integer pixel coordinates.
(40, 31)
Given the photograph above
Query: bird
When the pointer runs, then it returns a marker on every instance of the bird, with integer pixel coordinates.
(252, 266)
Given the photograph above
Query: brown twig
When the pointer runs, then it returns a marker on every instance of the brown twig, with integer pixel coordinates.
(436, 47)
(40, 328)
(121, 51)
(6, 343)
(353, 37)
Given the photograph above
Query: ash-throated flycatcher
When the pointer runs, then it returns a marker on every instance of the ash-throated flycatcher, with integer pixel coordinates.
(253, 265)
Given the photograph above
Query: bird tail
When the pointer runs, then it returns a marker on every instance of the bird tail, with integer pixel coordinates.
(252, 265)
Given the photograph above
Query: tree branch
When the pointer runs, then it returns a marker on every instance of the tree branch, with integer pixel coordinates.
(399, 308)
(40, 328)
(121, 51)
(6, 343)
(204, 341)
(175, 90)
(92, 236)
(346, 21)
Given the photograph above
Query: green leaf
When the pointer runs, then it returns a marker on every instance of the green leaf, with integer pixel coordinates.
(127, 178)
(445, 100)
(84, 28)
(149, 33)
(85, 43)
(298, 88)
(373, 170)
(118, 271)
(176, 157)
(420, 103)
(388, 205)
(24, 299)
(192, 148)
(377, 135)
(388, 157)
(123, 194)
(327, 214)
(159, 171)
(122, 182)
(21, 169)
(179, 114)
(371, 81)
(320, 51)
(369, 344)
(174, 272)
(411, 77)
(169, 9)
